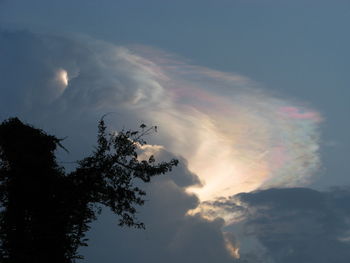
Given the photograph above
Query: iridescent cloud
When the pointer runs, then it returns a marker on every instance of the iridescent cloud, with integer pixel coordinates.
(236, 136)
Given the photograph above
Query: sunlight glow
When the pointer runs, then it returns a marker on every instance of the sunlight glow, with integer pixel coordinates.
(235, 137)
(231, 248)
(62, 77)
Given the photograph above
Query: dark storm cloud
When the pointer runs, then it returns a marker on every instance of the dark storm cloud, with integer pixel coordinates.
(300, 224)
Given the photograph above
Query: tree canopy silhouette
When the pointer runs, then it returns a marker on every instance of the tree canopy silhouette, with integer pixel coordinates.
(44, 211)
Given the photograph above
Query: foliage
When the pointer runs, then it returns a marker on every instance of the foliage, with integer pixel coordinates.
(46, 212)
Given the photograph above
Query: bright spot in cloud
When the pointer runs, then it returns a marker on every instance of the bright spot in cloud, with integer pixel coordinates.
(232, 248)
(62, 78)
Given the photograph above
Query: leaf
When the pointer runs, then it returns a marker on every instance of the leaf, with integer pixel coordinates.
(151, 159)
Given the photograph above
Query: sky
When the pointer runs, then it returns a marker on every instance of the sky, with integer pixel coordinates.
(251, 96)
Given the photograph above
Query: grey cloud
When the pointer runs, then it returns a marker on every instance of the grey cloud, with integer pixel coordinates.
(100, 75)
(300, 224)
(170, 235)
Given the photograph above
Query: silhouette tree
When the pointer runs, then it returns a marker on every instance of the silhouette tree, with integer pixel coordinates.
(45, 212)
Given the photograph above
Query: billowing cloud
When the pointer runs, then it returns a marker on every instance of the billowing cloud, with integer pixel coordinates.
(64, 88)
(233, 135)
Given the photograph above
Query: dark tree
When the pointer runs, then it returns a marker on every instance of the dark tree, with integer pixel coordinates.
(46, 212)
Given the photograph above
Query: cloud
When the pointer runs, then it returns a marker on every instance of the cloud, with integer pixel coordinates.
(295, 225)
(230, 133)
(235, 136)
(64, 87)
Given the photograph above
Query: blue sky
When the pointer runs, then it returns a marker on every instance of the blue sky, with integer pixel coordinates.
(296, 51)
